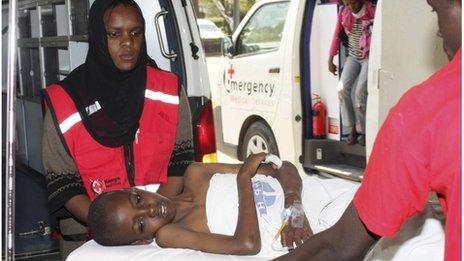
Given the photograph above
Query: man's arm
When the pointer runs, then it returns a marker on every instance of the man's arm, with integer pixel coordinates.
(348, 239)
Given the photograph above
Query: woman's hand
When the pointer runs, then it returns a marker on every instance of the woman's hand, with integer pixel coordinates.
(332, 66)
(251, 164)
(293, 235)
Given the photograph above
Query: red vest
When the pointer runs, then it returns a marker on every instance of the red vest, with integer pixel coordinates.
(105, 169)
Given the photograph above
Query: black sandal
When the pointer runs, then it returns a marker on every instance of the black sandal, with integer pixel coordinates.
(351, 139)
(361, 139)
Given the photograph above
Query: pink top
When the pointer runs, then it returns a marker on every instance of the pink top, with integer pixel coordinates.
(418, 151)
(346, 20)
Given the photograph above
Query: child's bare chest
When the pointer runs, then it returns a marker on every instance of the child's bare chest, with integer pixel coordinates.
(196, 220)
(194, 216)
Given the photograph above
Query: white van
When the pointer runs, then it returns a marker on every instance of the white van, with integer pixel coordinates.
(277, 59)
(52, 41)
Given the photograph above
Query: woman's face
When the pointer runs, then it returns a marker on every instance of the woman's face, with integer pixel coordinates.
(124, 29)
(353, 5)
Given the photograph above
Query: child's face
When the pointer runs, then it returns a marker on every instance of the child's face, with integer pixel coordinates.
(140, 214)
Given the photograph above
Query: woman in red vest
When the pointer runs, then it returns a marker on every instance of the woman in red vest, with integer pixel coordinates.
(116, 121)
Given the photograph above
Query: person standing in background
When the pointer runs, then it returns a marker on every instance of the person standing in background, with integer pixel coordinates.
(417, 151)
(353, 29)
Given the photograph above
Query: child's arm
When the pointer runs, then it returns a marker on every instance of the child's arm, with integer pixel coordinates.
(174, 236)
(298, 229)
(199, 173)
(209, 169)
(287, 176)
(246, 239)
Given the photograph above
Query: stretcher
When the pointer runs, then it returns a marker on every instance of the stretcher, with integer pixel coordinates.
(422, 238)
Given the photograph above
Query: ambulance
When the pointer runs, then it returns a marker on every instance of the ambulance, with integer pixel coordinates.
(275, 65)
(52, 40)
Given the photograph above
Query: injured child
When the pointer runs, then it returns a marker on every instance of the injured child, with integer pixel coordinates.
(324, 200)
(256, 209)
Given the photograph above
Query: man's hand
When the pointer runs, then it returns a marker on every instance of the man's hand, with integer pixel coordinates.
(251, 164)
(294, 236)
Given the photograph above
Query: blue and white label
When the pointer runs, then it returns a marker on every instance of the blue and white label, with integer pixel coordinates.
(265, 196)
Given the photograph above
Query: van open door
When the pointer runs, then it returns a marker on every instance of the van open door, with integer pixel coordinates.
(404, 50)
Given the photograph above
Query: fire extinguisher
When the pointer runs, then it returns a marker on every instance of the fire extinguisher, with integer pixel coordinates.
(319, 115)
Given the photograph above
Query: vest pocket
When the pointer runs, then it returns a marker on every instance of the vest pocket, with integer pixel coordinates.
(98, 165)
(152, 155)
(150, 143)
(92, 158)
(154, 143)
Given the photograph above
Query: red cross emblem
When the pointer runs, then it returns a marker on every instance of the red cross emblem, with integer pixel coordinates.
(98, 186)
(231, 71)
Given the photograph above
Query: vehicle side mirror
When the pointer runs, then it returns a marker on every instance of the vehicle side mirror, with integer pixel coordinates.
(227, 46)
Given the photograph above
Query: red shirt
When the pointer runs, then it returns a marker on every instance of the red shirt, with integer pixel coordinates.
(418, 151)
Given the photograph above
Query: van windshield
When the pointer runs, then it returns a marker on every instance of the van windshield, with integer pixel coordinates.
(264, 29)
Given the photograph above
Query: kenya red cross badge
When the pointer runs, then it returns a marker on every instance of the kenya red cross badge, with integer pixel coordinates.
(98, 186)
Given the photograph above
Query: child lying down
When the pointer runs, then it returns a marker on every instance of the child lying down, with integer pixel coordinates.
(256, 209)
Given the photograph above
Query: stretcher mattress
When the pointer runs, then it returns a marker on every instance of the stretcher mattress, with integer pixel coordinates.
(325, 199)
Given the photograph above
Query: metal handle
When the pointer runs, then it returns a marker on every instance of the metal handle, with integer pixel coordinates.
(160, 40)
(274, 70)
(42, 229)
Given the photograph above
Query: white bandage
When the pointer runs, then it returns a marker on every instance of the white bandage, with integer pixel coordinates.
(297, 214)
(271, 158)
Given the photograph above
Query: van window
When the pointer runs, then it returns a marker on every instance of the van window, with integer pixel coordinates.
(264, 29)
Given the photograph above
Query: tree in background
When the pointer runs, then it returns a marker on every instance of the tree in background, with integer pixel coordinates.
(221, 12)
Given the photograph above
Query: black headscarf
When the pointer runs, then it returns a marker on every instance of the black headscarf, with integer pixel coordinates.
(119, 93)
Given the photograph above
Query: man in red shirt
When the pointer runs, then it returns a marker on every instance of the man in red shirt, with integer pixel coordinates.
(417, 151)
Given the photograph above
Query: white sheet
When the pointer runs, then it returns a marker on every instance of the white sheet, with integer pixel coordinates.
(222, 208)
(325, 200)
(421, 238)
